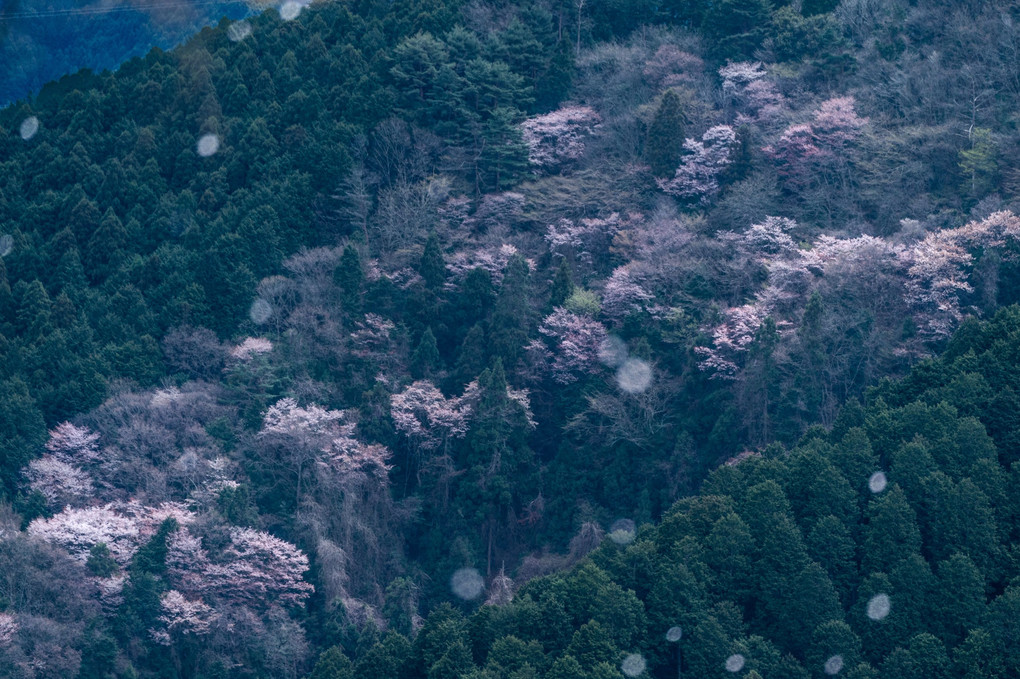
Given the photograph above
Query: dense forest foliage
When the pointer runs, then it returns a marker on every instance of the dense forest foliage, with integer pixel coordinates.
(43, 40)
(336, 339)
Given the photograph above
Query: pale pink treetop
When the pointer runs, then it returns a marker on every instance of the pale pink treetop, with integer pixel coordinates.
(59, 482)
(741, 73)
(698, 174)
(557, 137)
(836, 122)
(770, 237)
(421, 413)
(622, 294)
(260, 568)
(493, 260)
(372, 334)
(73, 444)
(577, 340)
(181, 616)
(938, 267)
(347, 456)
(672, 66)
(8, 628)
(287, 418)
(251, 346)
(122, 526)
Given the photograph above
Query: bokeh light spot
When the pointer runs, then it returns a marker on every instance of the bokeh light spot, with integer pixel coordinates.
(613, 351)
(879, 606)
(634, 376)
(239, 30)
(673, 634)
(290, 10)
(29, 126)
(633, 665)
(877, 482)
(622, 531)
(208, 145)
(260, 311)
(735, 663)
(467, 583)
(834, 664)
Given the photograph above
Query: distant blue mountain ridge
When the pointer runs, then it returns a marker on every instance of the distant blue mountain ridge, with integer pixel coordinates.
(42, 40)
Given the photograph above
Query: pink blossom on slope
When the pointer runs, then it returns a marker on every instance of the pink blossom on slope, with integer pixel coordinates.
(698, 174)
(8, 628)
(577, 340)
(73, 444)
(285, 417)
(59, 482)
(557, 137)
(251, 346)
(260, 569)
(181, 616)
(423, 414)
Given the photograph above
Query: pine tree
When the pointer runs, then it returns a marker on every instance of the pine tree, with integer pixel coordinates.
(349, 277)
(664, 143)
(332, 664)
(431, 267)
(508, 327)
(425, 359)
(562, 285)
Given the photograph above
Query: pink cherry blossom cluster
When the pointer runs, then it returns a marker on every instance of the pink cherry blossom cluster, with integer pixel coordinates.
(576, 340)
(556, 138)
(698, 174)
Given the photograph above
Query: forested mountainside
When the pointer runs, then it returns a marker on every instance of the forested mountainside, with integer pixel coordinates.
(335, 339)
(43, 40)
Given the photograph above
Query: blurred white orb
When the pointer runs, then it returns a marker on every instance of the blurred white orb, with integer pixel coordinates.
(290, 10)
(6, 244)
(634, 376)
(673, 634)
(208, 145)
(239, 30)
(877, 482)
(735, 663)
(613, 351)
(29, 126)
(834, 664)
(879, 606)
(467, 583)
(260, 311)
(633, 665)
(622, 531)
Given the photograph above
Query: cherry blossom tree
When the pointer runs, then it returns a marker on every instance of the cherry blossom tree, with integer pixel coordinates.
(558, 137)
(623, 295)
(181, 616)
(295, 437)
(938, 267)
(576, 340)
(671, 66)
(59, 482)
(8, 628)
(770, 237)
(804, 150)
(260, 569)
(493, 260)
(430, 420)
(698, 174)
(71, 443)
(251, 347)
(122, 526)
